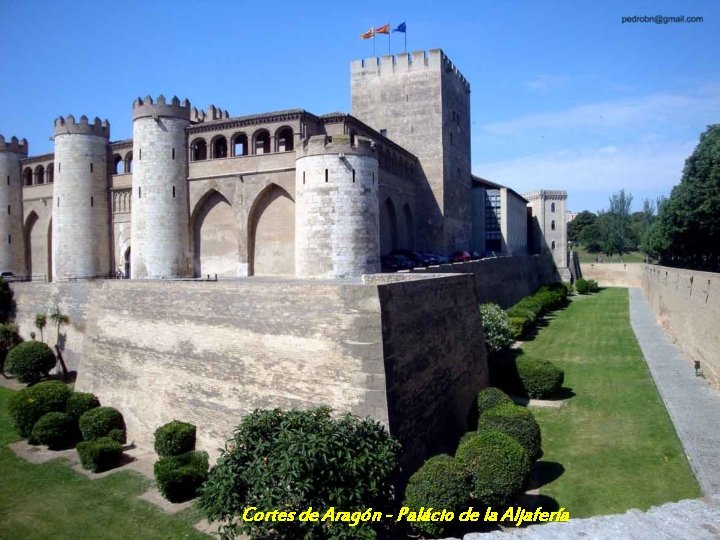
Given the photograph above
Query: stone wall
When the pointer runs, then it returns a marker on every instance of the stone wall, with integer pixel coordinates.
(614, 274)
(405, 354)
(503, 280)
(687, 305)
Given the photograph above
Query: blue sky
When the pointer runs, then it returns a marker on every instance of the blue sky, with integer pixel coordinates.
(564, 96)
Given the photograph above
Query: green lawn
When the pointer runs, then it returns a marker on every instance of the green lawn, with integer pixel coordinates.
(614, 437)
(52, 501)
(586, 257)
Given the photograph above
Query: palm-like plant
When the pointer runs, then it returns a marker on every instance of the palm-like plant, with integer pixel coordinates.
(40, 323)
(58, 320)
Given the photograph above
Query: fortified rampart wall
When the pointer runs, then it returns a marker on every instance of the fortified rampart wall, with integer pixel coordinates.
(614, 274)
(503, 280)
(409, 354)
(687, 305)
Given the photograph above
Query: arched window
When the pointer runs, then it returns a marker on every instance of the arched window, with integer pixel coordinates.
(118, 165)
(553, 245)
(552, 225)
(27, 176)
(198, 150)
(552, 207)
(129, 162)
(394, 164)
(284, 138)
(219, 148)
(50, 173)
(39, 174)
(261, 142)
(240, 145)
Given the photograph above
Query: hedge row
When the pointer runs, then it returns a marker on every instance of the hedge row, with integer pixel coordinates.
(526, 376)
(527, 311)
(180, 472)
(586, 286)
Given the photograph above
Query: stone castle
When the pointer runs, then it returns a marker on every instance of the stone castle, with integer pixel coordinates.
(287, 193)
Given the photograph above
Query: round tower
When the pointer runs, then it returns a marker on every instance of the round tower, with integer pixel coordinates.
(337, 226)
(160, 202)
(11, 232)
(80, 214)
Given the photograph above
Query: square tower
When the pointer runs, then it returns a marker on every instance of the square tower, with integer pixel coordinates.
(421, 101)
(549, 226)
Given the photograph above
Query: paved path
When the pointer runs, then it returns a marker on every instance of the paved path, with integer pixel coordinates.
(693, 404)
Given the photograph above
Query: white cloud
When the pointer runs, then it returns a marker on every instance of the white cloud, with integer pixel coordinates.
(547, 82)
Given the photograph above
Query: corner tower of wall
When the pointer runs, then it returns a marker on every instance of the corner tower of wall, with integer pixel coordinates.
(11, 226)
(160, 212)
(337, 226)
(80, 229)
(422, 101)
(549, 226)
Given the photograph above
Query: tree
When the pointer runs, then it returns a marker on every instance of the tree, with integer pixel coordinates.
(687, 232)
(40, 323)
(576, 227)
(58, 320)
(617, 231)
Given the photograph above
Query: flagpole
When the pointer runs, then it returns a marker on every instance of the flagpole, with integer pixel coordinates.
(374, 36)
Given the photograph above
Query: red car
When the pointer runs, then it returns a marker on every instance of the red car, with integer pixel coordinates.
(460, 256)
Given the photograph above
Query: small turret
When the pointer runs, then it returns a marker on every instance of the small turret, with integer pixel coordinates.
(15, 146)
(143, 108)
(68, 125)
(11, 233)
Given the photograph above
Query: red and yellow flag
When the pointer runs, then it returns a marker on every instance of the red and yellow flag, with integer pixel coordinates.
(369, 34)
(384, 29)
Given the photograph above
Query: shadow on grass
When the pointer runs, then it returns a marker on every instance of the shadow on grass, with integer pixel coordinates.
(546, 472)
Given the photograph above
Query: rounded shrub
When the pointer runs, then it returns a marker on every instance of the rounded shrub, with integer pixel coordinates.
(439, 483)
(581, 286)
(99, 454)
(179, 477)
(593, 286)
(539, 378)
(525, 313)
(30, 361)
(100, 422)
(518, 326)
(81, 402)
(517, 422)
(491, 397)
(496, 327)
(174, 438)
(497, 466)
(55, 429)
(29, 404)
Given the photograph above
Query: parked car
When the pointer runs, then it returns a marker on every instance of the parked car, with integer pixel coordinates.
(489, 255)
(393, 263)
(474, 256)
(7, 276)
(438, 258)
(420, 259)
(460, 256)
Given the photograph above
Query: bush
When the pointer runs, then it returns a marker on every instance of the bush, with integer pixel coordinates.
(30, 361)
(491, 397)
(79, 403)
(439, 483)
(521, 312)
(539, 378)
(174, 438)
(496, 327)
(496, 464)
(99, 454)
(518, 326)
(55, 429)
(9, 338)
(593, 286)
(100, 421)
(581, 286)
(518, 422)
(295, 459)
(29, 404)
(179, 477)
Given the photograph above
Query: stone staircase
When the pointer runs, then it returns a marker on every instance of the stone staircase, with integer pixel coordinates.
(687, 520)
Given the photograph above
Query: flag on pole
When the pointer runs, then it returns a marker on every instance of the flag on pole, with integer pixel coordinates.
(400, 28)
(369, 34)
(384, 29)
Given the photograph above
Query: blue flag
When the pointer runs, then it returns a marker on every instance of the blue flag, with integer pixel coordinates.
(400, 28)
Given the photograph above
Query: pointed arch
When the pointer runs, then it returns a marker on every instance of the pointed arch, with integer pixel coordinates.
(388, 227)
(271, 233)
(38, 247)
(408, 227)
(214, 234)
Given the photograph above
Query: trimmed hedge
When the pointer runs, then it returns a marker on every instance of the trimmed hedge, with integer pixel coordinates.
(539, 378)
(490, 397)
(518, 326)
(593, 286)
(179, 477)
(174, 438)
(581, 286)
(102, 422)
(496, 464)
(29, 404)
(99, 454)
(55, 429)
(439, 483)
(81, 402)
(517, 422)
(30, 361)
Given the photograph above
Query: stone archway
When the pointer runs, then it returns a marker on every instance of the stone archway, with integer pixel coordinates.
(271, 233)
(215, 237)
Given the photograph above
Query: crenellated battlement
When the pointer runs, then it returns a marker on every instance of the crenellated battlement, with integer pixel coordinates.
(337, 144)
(554, 194)
(391, 64)
(143, 108)
(17, 146)
(68, 125)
